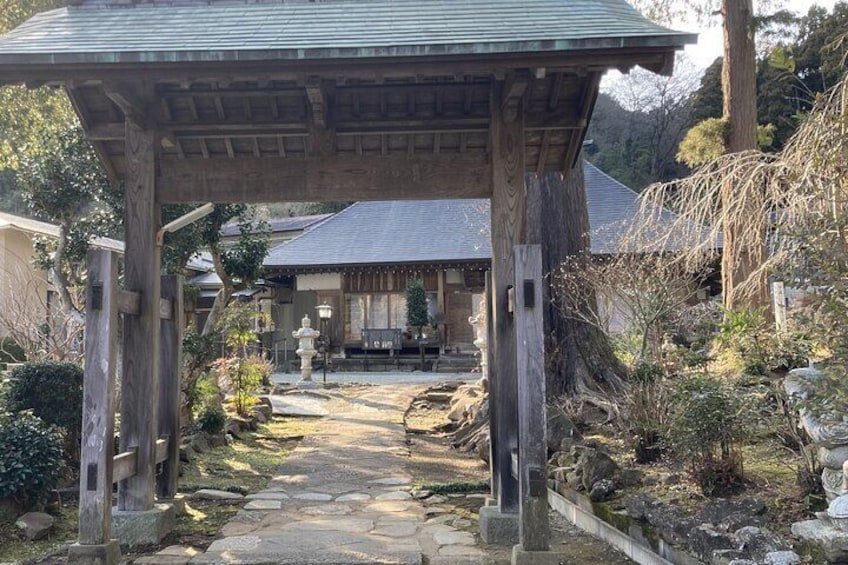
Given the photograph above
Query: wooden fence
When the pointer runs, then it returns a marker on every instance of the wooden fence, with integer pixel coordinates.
(99, 467)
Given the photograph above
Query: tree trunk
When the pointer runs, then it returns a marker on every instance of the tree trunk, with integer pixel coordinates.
(223, 296)
(739, 86)
(579, 358)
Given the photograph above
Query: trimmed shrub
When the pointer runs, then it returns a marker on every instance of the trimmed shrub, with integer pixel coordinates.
(53, 391)
(212, 420)
(30, 459)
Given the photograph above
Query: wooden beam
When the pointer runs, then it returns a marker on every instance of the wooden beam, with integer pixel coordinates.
(162, 448)
(533, 526)
(137, 100)
(513, 93)
(125, 466)
(98, 414)
(586, 106)
(140, 389)
(508, 230)
(170, 369)
(129, 302)
(342, 177)
(317, 94)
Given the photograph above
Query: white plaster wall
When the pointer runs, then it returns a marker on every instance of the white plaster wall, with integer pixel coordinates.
(324, 281)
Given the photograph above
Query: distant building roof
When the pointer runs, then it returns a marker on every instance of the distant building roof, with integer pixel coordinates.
(155, 32)
(11, 221)
(438, 232)
(281, 225)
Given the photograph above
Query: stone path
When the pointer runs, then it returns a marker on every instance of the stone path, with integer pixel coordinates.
(342, 497)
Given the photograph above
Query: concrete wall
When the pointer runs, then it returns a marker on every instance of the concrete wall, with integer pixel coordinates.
(23, 288)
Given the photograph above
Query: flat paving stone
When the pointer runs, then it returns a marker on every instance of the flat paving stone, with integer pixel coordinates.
(453, 538)
(396, 495)
(298, 405)
(212, 494)
(274, 495)
(353, 497)
(319, 496)
(263, 505)
(392, 481)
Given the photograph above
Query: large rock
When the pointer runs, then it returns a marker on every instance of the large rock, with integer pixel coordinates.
(596, 466)
(716, 511)
(35, 524)
(602, 490)
(560, 428)
(757, 542)
(704, 541)
(782, 558)
(832, 542)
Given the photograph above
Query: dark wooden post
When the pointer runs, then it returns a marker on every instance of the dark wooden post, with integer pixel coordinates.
(171, 361)
(508, 211)
(140, 389)
(98, 414)
(493, 393)
(532, 445)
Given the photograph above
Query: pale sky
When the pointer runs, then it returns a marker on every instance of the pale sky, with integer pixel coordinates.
(709, 38)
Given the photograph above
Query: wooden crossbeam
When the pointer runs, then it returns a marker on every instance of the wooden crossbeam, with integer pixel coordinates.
(339, 177)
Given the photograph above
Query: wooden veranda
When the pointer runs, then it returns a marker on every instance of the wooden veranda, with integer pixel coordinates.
(195, 101)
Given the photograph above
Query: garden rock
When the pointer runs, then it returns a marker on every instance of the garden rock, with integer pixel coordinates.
(832, 542)
(265, 409)
(640, 506)
(704, 541)
(782, 558)
(259, 417)
(596, 466)
(186, 453)
(560, 428)
(726, 556)
(601, 490)
(199, 443)
(212, 494)
(742, 562)
(35, 524)
(218, 440)
(758, 542)
(671, 523)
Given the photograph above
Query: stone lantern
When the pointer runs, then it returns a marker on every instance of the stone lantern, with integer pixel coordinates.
(306, 337)
(481, 341)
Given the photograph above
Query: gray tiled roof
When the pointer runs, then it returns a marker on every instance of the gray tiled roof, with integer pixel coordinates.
(280, 225)
(239, 30)
(438, 231)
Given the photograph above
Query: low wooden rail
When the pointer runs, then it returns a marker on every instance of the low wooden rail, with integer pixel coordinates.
(124, 465)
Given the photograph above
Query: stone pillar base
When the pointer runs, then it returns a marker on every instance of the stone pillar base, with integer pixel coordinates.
(498, 528)
(306, 385)
(106, 554)
(145, 528)
(522, 557)
(178, 502)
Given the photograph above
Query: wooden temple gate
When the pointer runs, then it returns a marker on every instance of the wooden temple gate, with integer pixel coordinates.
(192, 102)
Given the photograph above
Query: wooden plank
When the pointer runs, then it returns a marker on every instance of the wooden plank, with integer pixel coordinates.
(170, 368)
(129, 302)
(341, 177)
(507, 221)
(125, 466)
(162, 447)
(533, 527)
(494, 392)
(98, 415)
(140, 389)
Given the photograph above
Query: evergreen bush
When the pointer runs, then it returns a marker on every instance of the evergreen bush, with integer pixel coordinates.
(53, 391)
(706, 427)
(31, 458)
(212, 420)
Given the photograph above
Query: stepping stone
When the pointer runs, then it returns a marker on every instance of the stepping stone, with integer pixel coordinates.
(443, 519)
(353, 496)
(276, 495)
(388, 506)
(397, 530)
(396, 495)
(263, 505)
(460, 550)
(212, 494)
(392, 481)
(328, 510)
(453, 538)
(352, 525)
(317, 496)
(298, 405)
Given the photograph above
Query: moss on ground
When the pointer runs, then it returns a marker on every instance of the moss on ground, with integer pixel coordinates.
(15, 548)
